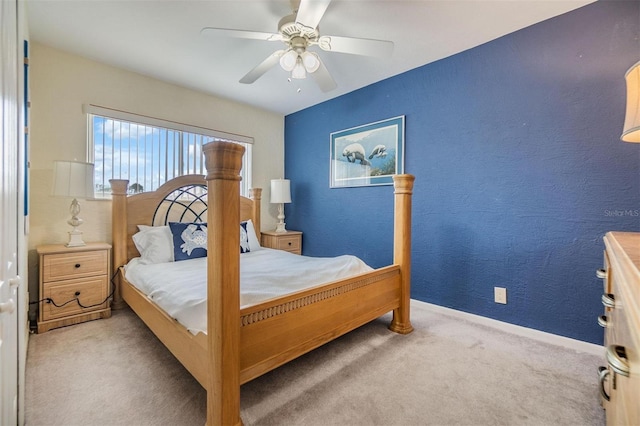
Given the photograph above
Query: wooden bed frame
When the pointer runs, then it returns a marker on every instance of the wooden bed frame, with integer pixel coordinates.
(242, 344)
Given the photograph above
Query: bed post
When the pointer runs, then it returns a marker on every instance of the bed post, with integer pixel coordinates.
(403, 185)
(223, 161)
(256, 195)
(118, 232)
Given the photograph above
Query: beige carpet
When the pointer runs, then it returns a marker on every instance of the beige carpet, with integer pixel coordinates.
(448, 372)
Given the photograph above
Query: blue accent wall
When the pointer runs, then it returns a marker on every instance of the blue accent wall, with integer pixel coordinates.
(519, 168)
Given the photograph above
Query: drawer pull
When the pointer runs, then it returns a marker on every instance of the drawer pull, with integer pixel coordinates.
(603, 321)
(601, 273)
(617, 359)
(77, 265)
(9, 306)
(609, 300)
(603, 372)
(289, 242)
(14, 282)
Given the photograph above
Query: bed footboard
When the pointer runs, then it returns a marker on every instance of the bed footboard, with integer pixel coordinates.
(275, 332)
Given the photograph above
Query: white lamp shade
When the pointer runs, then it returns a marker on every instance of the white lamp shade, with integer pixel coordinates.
(280, 191)
(72, 179)
(298, 71)
(288, 60)
(631, 130)
(311, 61)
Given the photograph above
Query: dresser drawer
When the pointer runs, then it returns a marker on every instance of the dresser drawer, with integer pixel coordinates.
(607, 270)
(628, 390)
(88, 291)
(63, 266)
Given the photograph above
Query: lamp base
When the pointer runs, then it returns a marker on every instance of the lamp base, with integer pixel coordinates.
(75, 239)
(280, 225)
(75, 236)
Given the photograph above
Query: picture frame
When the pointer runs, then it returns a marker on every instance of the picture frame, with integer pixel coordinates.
(367, 155)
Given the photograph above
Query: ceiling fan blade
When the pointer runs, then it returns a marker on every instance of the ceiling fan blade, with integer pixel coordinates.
(262, 68)
(356, 46)
(310, 12)
(253, 35)
(323, 78)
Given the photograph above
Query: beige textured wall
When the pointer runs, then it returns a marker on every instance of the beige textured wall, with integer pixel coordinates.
(61, 83)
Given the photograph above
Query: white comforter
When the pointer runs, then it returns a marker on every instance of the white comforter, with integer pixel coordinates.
(180, 288)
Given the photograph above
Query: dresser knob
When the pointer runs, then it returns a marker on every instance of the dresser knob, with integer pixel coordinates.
(601, 273)
(14, 282)
(9, 306)
(617, 359)
(77, 265)
(603, 321)
(289, 242)
(608, 300)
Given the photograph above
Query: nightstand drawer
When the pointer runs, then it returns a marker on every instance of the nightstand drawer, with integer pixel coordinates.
(291, 243)
(91, 292)
(64, 266)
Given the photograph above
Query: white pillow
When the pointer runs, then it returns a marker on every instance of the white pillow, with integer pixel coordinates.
(254, 244)
(155, 244)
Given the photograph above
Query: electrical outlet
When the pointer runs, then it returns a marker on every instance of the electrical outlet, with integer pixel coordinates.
(500, 295)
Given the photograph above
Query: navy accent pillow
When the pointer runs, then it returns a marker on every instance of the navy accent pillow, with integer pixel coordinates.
(244, 238)
(189, 240)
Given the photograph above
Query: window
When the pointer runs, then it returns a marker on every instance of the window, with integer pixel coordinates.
(149, 152)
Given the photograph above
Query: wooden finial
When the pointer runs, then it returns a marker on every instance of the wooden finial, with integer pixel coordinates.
(223, 160)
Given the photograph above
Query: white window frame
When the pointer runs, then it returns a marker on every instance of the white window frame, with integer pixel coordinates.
(142, 120)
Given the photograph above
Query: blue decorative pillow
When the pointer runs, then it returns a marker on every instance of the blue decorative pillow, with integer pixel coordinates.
(189, 240)
(244, 238)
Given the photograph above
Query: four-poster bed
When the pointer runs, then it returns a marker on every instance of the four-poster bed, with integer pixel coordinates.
(244, 343)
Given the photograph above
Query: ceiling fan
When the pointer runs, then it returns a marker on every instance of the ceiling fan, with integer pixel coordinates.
(298, 31)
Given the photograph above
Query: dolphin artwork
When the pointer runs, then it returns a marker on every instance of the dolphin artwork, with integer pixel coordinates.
(379, 151)
(354, 152)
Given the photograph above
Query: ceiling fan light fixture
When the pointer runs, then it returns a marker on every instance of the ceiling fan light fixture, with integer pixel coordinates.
(311, 61)
(298, 71)
(298, 31)
(288, 60)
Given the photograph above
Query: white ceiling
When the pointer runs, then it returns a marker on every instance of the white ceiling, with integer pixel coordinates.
(161, 39)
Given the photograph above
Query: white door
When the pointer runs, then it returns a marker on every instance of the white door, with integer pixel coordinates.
(8, 213)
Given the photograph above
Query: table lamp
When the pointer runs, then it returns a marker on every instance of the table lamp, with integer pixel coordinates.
(280, 194)
(631, 130)
(73, 179)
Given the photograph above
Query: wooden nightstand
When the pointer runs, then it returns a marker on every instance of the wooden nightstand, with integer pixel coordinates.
(288, 241)
(77, 275)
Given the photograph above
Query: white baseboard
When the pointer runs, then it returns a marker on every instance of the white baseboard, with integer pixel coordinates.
(554, 339)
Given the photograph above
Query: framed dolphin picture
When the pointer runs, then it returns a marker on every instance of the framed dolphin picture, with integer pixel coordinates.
(367, 155)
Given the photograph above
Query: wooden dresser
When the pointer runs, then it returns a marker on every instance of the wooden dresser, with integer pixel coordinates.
(74, 284)
(620, 379)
